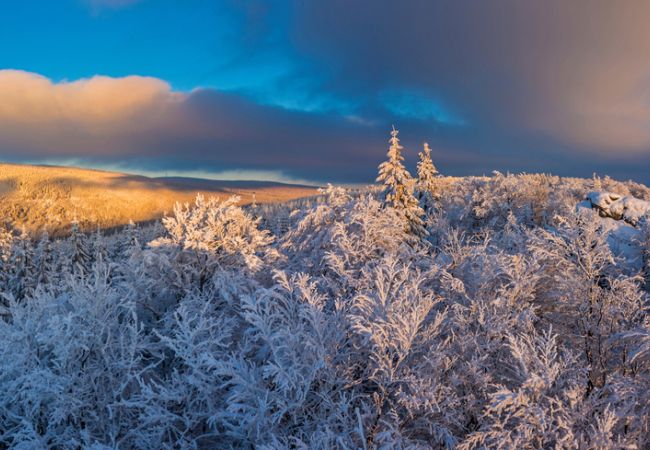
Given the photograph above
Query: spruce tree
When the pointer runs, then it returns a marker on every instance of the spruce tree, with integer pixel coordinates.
(100, 252)
(22, 276)
(81, 257)
(399, 187)
(46, 265)
(6, 247)
(426, 190)
(132, 241)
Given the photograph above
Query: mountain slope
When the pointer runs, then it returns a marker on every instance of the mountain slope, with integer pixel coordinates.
(49, 198)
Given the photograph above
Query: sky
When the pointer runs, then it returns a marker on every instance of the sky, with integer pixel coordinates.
(308, 90)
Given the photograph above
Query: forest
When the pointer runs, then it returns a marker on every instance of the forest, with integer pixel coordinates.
(425, 311)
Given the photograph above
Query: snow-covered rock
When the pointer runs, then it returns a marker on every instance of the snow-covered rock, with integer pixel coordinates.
(619, 207)
(620, 215)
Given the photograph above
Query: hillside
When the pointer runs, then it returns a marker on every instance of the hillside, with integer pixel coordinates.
(515, 315)
(49, 198)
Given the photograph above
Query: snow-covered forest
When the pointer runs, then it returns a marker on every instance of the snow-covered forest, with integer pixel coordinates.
(508, 311)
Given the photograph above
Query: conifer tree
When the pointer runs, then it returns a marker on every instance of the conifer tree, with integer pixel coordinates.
(22, 280)
(399, 187)
(426, 175)
(45, 261)
(6, 245)
(132, 240)
(81, 258)
(100, 252)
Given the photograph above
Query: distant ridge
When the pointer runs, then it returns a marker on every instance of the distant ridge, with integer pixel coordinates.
(48, 198)
(246, 184)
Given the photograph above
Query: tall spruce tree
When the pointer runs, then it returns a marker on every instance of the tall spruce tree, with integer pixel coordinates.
(399, 187)
(426, 190)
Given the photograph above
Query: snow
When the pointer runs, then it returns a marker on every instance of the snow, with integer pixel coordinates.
(619, 219)
(619, 207)
(326, 323)
(622, 238)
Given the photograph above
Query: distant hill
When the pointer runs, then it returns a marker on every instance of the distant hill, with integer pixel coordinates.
(48, 197)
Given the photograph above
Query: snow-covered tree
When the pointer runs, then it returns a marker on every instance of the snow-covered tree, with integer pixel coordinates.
(23, 276)
(399, 187)
(6, 263)
(80, 250)
(426, 186)
(210, 236)
(46, 272)
(98, 246)
(524, 325)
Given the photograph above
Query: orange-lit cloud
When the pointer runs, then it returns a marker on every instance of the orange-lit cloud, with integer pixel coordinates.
(95, 103)
(94, 116)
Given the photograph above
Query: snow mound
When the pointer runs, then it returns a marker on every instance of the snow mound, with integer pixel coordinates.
(619, 207)
(623, 237)
(620, 216)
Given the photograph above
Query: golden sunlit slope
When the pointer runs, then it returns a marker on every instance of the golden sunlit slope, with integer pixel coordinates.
(49, 198)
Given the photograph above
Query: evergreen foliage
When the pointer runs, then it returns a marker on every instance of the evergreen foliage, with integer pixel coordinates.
(399, 187)
(426, 186)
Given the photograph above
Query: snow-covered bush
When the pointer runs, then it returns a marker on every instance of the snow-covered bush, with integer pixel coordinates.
(199, 241)
(513, 322)
(70, 367)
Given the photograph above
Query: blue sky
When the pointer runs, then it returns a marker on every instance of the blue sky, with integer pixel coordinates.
(300, 90)
(185, 43)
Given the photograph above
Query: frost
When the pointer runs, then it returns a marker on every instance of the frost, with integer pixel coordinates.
(514, 320)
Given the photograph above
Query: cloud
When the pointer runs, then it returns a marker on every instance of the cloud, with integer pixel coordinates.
(99, 102)
(576, 73)
(140, 122)
(94, 117)
(418, 106)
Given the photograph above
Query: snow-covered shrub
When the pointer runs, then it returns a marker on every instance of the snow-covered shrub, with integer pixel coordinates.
(585, 294)
(366, 234)
(327, 323)
(70, 366)
(538, 402)
(307, 243)
(398, 333)
(207, 237)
